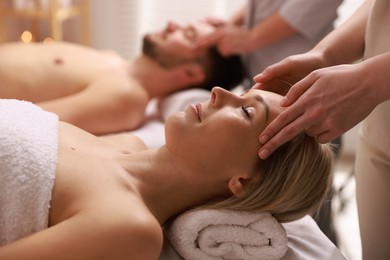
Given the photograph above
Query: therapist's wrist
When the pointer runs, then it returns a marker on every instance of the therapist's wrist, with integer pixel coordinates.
(375, 71)
(253, 42)
(321, 58)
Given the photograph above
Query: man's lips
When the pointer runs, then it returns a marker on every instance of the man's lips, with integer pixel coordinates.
(197, 110)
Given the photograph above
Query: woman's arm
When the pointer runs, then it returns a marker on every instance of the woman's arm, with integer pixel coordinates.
(269, 31)
(343, 45)
(90, 236)
(238, 17)
(234, 39)
(346, 43)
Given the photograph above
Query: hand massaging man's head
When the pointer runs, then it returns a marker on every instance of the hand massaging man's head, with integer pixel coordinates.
(219, 138)
(173, 46)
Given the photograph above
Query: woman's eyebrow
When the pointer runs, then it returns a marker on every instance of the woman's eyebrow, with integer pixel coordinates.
(265, 105)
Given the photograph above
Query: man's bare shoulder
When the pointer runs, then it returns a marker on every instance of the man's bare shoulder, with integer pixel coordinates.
(58, 48)
(110, 52)
(38, 45)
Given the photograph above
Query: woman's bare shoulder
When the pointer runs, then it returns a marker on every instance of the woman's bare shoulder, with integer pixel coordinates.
(118, 231)
(93, 234)
(135, 233)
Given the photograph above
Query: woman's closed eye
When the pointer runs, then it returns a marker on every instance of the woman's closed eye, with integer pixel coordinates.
(247, 111)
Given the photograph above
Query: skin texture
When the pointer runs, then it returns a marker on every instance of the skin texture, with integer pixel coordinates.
(99, 91)
(111, 195)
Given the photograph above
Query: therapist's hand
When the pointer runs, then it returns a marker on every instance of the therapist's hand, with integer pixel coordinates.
(229, 39)
(325, 104)
(215, 21)
(281, 76)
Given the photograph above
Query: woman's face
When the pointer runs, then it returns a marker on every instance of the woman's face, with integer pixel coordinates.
(224, 130)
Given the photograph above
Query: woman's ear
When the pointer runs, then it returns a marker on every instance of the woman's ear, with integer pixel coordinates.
(237, 184)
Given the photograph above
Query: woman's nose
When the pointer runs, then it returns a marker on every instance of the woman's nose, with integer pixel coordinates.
(220, 96)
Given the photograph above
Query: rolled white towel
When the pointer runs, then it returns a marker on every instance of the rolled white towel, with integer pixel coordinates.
(226, 234)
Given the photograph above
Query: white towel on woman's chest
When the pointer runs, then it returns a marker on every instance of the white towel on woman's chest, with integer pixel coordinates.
(28, 158)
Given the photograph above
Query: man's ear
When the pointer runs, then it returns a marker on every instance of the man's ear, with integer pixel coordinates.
(190, 74)
(237, 184)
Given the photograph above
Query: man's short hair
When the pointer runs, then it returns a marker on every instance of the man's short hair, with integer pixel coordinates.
(224, 72)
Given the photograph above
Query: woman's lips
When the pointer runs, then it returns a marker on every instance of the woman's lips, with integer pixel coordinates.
(197, 110)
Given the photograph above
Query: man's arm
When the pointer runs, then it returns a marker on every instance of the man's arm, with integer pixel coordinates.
(109, 104)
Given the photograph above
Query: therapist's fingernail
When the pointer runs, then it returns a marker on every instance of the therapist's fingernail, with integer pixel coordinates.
(256, 85)
(263, 139)
(258, 76)
(263, 154)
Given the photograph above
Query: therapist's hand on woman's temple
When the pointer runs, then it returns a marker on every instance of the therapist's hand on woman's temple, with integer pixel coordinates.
(325, 104)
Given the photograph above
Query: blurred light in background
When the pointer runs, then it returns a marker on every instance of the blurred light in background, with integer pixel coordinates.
(26, 37)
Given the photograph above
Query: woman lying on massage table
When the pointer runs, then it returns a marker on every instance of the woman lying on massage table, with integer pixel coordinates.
(111, 195)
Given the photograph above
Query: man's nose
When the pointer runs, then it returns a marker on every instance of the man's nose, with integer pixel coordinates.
(172, 26)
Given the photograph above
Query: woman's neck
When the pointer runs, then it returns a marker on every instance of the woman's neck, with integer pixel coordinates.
(166, 185)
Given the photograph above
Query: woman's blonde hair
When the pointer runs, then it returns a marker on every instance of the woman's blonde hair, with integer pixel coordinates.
(291, 183)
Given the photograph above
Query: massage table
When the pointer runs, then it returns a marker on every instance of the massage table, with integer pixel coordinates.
(305, 239)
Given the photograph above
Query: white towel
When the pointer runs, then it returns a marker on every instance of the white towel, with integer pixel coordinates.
(225, 234)
(28, 157)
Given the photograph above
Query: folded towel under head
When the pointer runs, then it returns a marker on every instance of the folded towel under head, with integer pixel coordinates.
(28, 157)
(226, 234)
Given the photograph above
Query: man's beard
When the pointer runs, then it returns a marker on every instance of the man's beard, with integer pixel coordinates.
(149, 48)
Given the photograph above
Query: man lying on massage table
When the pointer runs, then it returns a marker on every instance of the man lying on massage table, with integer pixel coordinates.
(107, 198)
(101, 92)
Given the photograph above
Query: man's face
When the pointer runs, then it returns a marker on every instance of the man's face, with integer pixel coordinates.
(174, 44)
